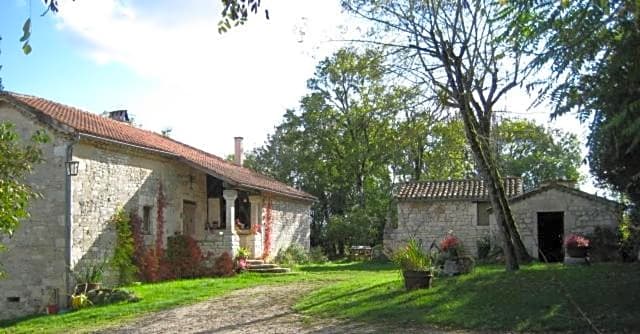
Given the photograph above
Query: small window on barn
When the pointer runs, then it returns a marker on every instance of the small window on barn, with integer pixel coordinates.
(483, 213)
(146, 219)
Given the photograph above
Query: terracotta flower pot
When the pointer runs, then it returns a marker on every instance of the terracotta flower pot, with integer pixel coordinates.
(417, 279)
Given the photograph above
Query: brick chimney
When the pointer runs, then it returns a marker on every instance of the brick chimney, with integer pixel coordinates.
(119, 115)
(238, 154)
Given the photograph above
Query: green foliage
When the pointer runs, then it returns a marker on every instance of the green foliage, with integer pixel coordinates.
(293, 255)
(592, 50)
(484, 247)
(243, 253)
(236, 12)
(16, 162)
(339, 145)
(90, 273)
(629, 232)
(412, 257)
(536, 153)
(122, 260)
(317, 255)
(604, 244)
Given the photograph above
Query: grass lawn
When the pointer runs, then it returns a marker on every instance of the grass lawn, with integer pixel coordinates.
(154, 297)
(489, 298)
(532, 299)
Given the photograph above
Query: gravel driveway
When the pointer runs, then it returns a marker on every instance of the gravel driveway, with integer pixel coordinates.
(264, 309)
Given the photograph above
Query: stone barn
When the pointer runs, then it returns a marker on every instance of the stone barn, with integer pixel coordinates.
(95, 164)
(429, 210)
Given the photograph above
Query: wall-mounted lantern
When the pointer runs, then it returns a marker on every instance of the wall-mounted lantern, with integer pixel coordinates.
(72, 167)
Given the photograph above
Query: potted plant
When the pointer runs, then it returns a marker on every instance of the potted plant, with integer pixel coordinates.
(241, 259)
(416, 265)
(90, 278)
(455, 261)
(576, 245)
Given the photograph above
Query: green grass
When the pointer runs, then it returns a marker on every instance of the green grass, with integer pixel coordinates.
(532, 299)
(154, 297)
(488, 299)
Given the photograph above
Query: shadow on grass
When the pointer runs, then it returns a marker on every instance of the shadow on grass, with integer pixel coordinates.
(537, 298)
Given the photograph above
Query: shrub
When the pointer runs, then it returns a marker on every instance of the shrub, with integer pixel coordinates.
(484, 247)
(183, 258)
(150, 266)
(604, 244)
(224, 265)
(294, 254)
(243, 253)
(316, 255)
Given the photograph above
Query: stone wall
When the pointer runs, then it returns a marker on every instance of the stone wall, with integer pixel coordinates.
(581, 215)
(34, 261)
(430, 221)
(291, 223)
(112, 176)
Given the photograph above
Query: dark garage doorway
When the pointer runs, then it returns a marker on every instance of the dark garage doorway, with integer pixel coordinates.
(550, 236)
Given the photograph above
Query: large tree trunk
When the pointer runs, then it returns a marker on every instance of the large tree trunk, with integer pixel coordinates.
(513, 246)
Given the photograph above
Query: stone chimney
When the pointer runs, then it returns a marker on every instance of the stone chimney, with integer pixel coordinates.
(119, 115)
(238, 154)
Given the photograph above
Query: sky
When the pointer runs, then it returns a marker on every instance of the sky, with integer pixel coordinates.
(165, 62)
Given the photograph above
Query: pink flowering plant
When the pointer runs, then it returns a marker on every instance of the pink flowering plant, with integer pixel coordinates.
(576, 241)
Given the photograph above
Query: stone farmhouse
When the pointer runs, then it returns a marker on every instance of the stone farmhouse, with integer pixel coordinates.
(95, 164)
(429, 210)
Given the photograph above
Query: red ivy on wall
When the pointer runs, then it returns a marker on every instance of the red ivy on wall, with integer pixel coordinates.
(162, 203)
(267, 230)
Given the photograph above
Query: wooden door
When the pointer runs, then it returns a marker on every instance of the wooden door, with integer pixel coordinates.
(188, 218)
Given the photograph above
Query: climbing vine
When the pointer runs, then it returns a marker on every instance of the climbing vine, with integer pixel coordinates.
(267, 229)
(123, 255)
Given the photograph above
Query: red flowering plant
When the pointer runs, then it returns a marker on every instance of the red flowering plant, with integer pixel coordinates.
(451, 246)
(576, 241)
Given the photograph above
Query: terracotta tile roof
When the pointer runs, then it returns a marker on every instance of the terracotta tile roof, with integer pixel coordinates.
(470, 189)
(91, 124)
(562, 186)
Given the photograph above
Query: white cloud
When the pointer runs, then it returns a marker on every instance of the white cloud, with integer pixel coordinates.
(208, 87)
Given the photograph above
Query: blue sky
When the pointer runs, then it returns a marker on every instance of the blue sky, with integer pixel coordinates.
(165, 62)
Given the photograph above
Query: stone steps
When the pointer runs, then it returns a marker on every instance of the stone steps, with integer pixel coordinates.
(258, 266)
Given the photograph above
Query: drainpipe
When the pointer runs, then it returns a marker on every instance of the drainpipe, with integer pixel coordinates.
(68, 217)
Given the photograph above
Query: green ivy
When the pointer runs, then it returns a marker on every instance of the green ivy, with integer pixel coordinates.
(122, 260)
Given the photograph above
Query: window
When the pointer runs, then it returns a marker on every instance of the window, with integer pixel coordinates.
(483, 213)
(146, 219)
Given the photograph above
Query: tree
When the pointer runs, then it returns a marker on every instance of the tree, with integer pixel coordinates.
(340, 145)
(456, 48)
(430, 150)
(536, 153)
(16, 162)
(236, 12)
(592, 49)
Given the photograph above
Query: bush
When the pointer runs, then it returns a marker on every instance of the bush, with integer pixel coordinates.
(604, 244)
(183, 257)
(150, 266)
(224, 265)
(484, 247)
(293, 255)
(109, 296)
(316, 255)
